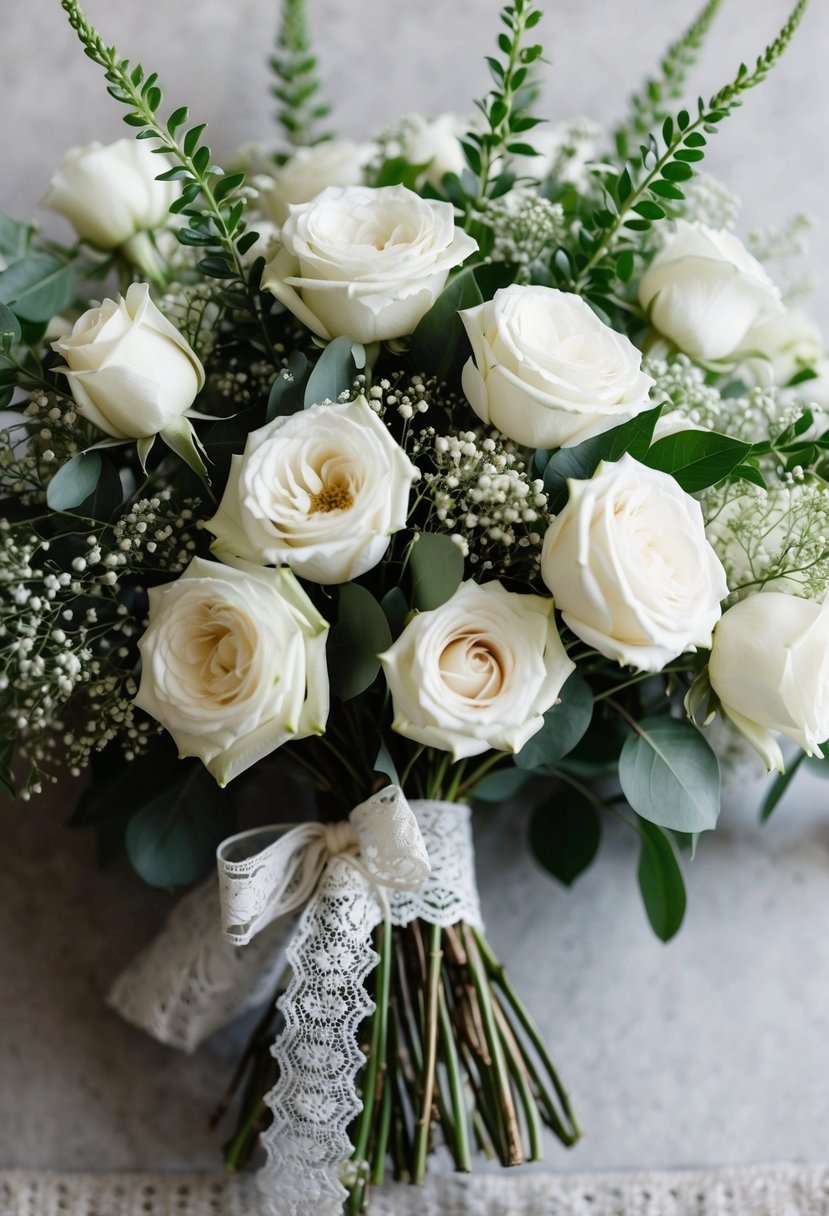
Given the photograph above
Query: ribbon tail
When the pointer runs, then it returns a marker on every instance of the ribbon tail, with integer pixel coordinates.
(190, 981)
(316, 1098)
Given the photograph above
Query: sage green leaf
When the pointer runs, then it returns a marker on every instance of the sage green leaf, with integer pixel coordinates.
(287, 395)
(360, 634)
(172, 840)
(660, 881)
(436, 566)
(502, 785)
(37, 288)
(15, 238)
(564, 834)
(564, 725)
(697, 459)
(384, 764)
(779, 786)
(396, 608)
(9, 327)
(435, 340)
(670, 775)
(333, 372)
(74, 481)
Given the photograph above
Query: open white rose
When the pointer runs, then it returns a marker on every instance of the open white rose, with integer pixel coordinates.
(233, 664)
(546, 371)
(477, 673)
(775, 351)
(433, 142)
(630, 568)
(321, 491)
(365, 262)
(109, 193)
(705, 292)
(334, 162)
(770, 668)
(130, 371)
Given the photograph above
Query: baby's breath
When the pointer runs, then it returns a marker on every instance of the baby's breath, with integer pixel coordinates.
(525, 227)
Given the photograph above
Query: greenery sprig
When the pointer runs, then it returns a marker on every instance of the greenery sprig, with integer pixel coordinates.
(505, 107)
(650, 106)
(649, 186)
(297, 87)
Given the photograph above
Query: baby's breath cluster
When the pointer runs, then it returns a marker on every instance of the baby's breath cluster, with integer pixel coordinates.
(478, 490)
(32, 450)
(525, 228)
(709, 201)
(191, 307)
(406, 396)
(776, 538)
(242, 384)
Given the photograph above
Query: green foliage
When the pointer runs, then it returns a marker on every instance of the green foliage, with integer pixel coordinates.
(501, 786)
(334, 371)
(697, 459)
(287, 395)
(74, 482)
(10, 332)
(779, 786)
(171, 841)
(36, 288)
(670, 775)
(505, 107)
(297, 85)
(15, 238)
(565, 724)
(643, 191)
(580, 462)
(436, 565)
(434, 343)
(650, 106)
(660, 881)
(565, 833)
(359, 636)
(211, 202)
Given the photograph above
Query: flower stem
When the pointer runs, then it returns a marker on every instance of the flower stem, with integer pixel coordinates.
(424, 1122)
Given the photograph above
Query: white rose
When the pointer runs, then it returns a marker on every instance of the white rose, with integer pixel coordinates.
(630, 568)
(109, 194)
(130, 371)
(434, 142)
(705, 292)
(365, 262)
(335, 162)
(321, 491)
(769, 667)
(477, 673)
(546, 371)
(233, 664)
(775, 351)
(565, 152)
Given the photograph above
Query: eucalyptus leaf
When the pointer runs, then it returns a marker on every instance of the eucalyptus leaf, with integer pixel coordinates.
(287, 395)
(501, 786)
(360, 634)
(15, 238)
(384, 764)
(670, 775)
(565, 723)
(697, 459)
(74, 481)
(436, 565)
(172, 840)
(333, 372)
(660, 881)
(37, 288)
(564, 834)
(9, 326)
(435, 340)
(396, 609)
(779, 786)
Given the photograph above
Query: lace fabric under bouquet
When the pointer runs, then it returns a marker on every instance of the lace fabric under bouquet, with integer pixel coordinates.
(365, 483)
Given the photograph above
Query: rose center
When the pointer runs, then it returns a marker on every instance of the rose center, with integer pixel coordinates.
(471, 668)
(334, 497)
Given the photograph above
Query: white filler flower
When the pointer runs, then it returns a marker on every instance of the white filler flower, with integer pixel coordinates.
(365, 262)
(334, 162)
(233, 664)
(130, 371)
(630, 568)
(477, 673)
(705, 292)
(109, 193)
(321, 491)
(546, 371)
(770, 668)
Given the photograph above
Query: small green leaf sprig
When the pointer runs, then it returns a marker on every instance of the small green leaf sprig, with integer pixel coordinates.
(297, 84)
(505, 107)
(651, 105)
(649, 187)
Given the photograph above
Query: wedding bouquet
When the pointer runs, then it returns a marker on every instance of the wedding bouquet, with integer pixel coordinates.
(364, 482)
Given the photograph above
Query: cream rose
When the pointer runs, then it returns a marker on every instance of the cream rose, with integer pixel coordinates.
(546, 371)
(233, 664)
(630, 568)
(433, 142)
(130, 371)
(321, 492)
(109, 193)
(769, 667)
(705, 292)
(477, 673)
(365, 262)
(774, 352)
(335, 162)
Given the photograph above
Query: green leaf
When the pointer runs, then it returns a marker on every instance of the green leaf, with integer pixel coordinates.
(436, 565)
(564, 725)
(696, 459)
(15, 238)
(354, 642)
(287, 394)
(9, 326)
(333, 373)
(779, 786)
(74, 481)
(172, 840)
(501, 786)
(564, 834)
(384, 764)
(435, 340)
(37, 288)
(660, 881)
(396, 609)
(670, 775)
(580, 462)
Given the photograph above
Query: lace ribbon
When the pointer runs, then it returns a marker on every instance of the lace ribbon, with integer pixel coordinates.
(389, 859)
